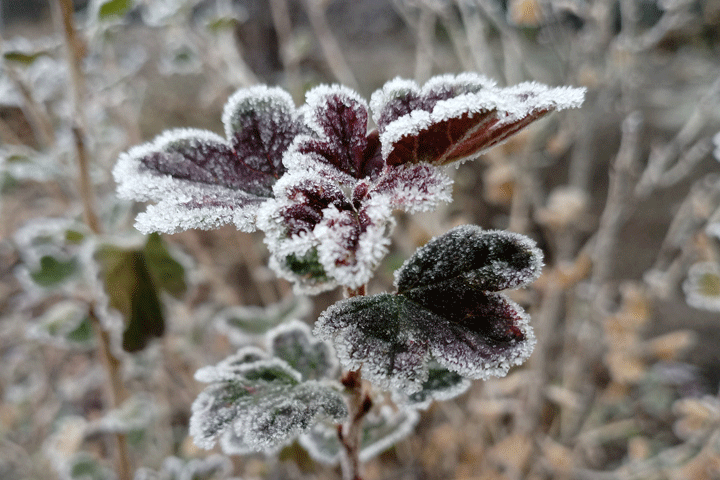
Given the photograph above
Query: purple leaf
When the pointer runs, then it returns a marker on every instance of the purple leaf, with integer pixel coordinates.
(458, 118)
(199, 179)
(339, 118)
(261, 123)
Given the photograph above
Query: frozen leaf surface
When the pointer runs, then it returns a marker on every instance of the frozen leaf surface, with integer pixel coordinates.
(445, 309)
(201, 180)
(259, 405)
(454, 118)
(381, 429)
(332, 214)
(293, 342)
(244, 324)
(442, 384)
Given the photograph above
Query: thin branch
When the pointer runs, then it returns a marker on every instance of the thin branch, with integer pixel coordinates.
(359, 404)
(618, 200)
(115, 391)
(288, 56)
(329, 45)
(477, 39)
(424, 49)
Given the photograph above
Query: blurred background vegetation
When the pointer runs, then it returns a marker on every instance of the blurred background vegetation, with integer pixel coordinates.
(623, 196)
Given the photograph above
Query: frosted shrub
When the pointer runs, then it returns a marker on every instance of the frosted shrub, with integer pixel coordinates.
(322, 185)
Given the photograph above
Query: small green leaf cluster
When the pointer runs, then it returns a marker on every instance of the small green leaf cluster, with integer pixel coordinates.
(261, 401)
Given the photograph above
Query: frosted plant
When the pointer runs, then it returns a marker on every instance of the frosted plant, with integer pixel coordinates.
(446, 308)
(702, 286)
(201, 180)
(322, 185)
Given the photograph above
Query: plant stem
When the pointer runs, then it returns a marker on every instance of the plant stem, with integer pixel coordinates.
(115, 391)
(111, 364)
(359, 404)
(350, 433)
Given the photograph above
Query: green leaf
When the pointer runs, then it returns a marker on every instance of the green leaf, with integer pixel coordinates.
(442, 384)
(74, 237)
(294, 343)
(83, 466)
(259, 406)
(167, 273)
(114, 8)
(243, 324)
(133, 280)
(53, 272)
(490, 260)
(22, 57)
(65, 324)
(83, 333)
(130, 287)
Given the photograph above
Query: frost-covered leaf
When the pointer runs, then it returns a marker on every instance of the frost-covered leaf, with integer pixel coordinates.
(260, 405)
(244, 324)
(338, 117)
(702, 286)
(65, 324)
(442, 384)
(413, 188)
(136, 413)
(444, 310)
(133, 279)
(201, 180)
(381, 429)
(53, 271)
(294, 343)
(453, 118)
(490, 260)
(320, 237)
(50, 252)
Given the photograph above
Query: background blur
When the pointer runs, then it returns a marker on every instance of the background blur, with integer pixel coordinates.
(622, 195)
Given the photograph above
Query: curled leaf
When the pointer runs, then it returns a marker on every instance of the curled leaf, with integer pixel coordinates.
(455, 118)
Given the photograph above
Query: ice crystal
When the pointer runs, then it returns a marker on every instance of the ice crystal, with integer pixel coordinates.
(381, 429)
(201, 180)
(445, 309)
(259, 405)
(702, 286)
